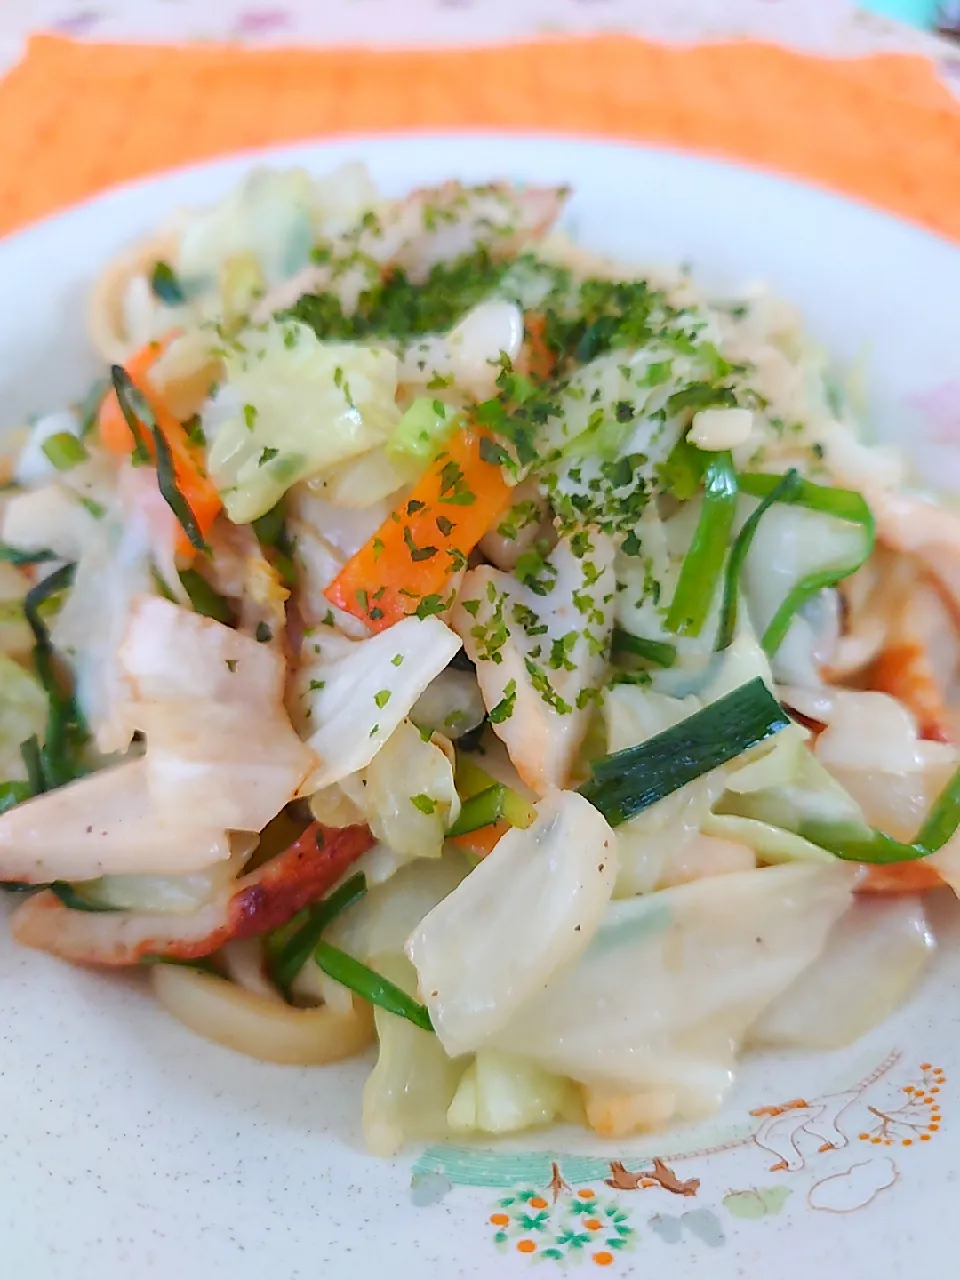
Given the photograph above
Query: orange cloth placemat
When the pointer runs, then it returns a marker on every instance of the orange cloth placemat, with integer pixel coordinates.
(76, 118)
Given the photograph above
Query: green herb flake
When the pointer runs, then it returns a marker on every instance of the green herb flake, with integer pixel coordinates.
(64, 451)
(504, 708)
(424, 803)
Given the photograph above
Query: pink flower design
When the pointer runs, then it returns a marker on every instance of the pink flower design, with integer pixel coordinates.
(261, 22)
(940, 407)
(77, 24)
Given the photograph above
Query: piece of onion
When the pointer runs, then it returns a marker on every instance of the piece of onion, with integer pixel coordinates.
(257, 1025)
(873, 957)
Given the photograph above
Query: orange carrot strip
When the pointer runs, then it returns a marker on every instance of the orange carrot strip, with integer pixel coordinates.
(188, 463)
(482, 841)
(537, 358)
(411, 558)
(900, 877)
(904, 671)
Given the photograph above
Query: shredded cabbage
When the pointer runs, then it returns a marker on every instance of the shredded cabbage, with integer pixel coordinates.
(23, 713)
(503, 1093)
(292, 407)
(406, 794)
(353, 694)
(524, 915)
(711, 955)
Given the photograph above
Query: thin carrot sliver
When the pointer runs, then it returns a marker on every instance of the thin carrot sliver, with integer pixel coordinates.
(484, 839)
(900, 877)
(192, 480)
(410, 560)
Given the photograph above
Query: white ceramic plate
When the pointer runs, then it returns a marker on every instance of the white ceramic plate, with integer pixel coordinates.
(130, 1149)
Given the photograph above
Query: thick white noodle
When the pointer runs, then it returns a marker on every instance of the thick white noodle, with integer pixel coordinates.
(257, 1025)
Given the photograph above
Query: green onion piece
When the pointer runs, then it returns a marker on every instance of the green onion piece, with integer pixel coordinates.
(65, 730)
(14, 793)
(877, 848)
(288, 959)
(135, 409)
(371, 986)
(72, 896)
(703, 564)
(269, 527)
(33, 763)
(201, 962)
(627, 782)
(138, 416)
(943, 819)
(167, 483)
(480, 810)
(471, 780)
(844, 504)
(659, 652)
(204, 599)
(423, 429)
(165, 285)
(731, 584)
(13, 555)
(64, 450)
(88, 410)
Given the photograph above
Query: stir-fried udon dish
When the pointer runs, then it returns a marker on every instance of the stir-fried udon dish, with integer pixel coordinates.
(431, 634)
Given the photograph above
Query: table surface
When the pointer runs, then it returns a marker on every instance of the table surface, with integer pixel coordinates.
(824, 26)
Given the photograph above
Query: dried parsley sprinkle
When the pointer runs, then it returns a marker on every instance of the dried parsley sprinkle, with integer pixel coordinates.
(381, 698)
(429, 606)
(250, 416)
(377, 547)
(267, 455)
(417, 553)
(445, 526)
(415, 505)
(424, 803)
(504, 708)
(397, 659)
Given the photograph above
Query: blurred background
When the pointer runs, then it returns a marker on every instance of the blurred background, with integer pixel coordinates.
(828, 25)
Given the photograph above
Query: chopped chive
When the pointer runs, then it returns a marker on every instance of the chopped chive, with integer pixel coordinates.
(369, 985)
(659, 652)
(89, 408)
(480, 810)
(703, 564)
(269, 527)
(878, 849)
(206, 601)
(295, 946)
(943, 819)
(13, 555)
(167, 483)
(781, 492)
(14, 793)
(627, 782)
(165, 285)
(65, 730)
(33, 763)
(426, 804)
(135, 409)
(64, 450)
